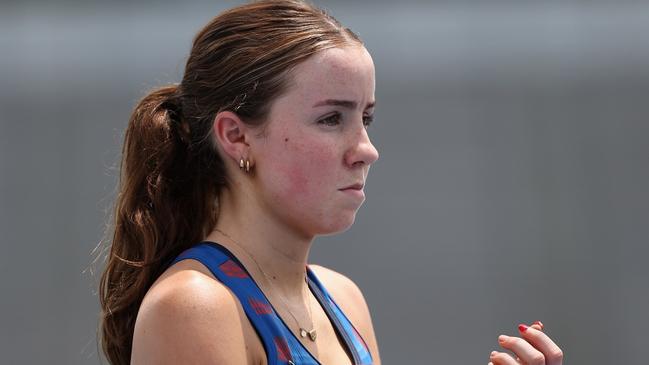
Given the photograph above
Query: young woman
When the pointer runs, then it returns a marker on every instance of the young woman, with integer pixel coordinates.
(226, 179)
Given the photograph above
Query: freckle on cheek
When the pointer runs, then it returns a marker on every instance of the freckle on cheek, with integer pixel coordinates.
(285, 139)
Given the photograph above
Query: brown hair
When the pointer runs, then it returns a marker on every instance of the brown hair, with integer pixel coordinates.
(171, 173)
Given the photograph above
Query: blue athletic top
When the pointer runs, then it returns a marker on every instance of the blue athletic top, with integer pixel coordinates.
(281, 345)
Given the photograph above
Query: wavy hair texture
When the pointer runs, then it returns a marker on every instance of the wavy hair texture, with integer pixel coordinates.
(171, 173)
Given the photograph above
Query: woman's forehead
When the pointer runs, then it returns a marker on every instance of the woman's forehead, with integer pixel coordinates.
(329, 73)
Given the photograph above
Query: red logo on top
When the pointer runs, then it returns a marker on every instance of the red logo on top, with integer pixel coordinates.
(232, 269)
(260, 307)
(283, 351)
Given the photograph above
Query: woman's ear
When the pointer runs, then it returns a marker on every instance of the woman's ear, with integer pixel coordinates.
(231, 134)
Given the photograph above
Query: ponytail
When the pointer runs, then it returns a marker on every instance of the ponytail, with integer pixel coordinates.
(167, 189)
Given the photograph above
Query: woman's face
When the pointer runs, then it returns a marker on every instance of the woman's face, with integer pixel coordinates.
(316, 144)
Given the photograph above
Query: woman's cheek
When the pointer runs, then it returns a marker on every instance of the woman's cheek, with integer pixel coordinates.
(297, 184)
(307, 168)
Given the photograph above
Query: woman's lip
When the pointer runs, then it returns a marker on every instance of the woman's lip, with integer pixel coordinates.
(358, 193)
(354, 187)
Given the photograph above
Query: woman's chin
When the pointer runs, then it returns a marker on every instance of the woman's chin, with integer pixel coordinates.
(340, 225)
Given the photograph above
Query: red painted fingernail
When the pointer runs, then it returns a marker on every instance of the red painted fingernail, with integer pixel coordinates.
(522, 327)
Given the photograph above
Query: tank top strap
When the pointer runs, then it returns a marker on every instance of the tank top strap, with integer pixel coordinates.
(356, 344)
(282, 347)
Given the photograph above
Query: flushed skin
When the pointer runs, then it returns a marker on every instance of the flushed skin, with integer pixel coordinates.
(314, 148)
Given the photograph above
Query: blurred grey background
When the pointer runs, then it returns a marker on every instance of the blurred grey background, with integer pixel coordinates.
(513, 183)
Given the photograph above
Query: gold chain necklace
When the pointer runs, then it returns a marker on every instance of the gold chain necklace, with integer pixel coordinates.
(303, 332)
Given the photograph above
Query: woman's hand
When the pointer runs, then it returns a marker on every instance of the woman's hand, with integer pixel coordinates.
(533, 348)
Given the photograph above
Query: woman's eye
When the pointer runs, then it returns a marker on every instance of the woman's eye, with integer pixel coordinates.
(336, 119)
(367, 120)
(332, 120)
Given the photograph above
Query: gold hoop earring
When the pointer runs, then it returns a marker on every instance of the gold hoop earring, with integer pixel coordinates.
(245, 165)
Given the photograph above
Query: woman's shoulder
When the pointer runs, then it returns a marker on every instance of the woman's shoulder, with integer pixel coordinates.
(178, 316)
(351, 301)
(187, 283)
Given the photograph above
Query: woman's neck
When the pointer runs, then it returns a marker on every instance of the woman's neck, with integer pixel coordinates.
(262, 243)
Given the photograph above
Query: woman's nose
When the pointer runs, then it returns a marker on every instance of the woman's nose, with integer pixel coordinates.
(362, 151)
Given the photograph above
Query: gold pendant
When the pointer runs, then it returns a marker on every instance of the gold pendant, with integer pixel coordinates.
(312, 334)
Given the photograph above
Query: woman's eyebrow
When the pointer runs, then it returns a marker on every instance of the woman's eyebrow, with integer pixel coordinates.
(344, 103)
